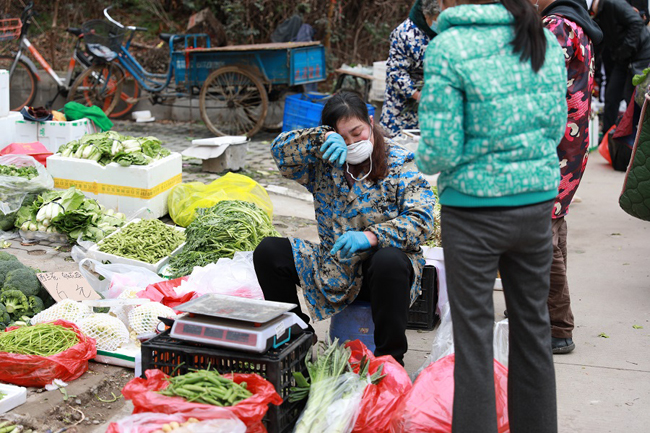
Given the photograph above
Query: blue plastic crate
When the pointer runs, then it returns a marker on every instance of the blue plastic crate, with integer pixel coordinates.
(303, 110)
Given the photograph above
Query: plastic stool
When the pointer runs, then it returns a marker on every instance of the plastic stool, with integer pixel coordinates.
(354, 323)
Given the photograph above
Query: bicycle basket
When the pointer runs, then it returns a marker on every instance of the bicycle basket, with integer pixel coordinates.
(102, 38)
(10, 29)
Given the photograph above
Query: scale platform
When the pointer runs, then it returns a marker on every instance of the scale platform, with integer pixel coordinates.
(238, 323)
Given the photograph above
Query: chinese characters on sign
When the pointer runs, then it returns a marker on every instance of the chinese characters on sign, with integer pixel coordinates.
(67, 285)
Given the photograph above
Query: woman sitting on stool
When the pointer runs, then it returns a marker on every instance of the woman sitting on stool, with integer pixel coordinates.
(373, 209)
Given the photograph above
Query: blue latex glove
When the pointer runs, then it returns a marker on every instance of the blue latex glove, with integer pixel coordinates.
(335, 149)
(351, 243)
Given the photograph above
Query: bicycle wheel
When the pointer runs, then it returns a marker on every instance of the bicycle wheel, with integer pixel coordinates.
(22, 84)
(233, 101)
(99, 85)
(128, 98)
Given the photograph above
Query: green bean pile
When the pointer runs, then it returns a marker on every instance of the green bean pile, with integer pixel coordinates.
(43, 339)
(221, 231)
(146, 240)
(207, 387)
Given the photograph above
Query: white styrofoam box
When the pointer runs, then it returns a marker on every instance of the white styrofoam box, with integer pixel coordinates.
(125, 189)
(14, 397)
(4, 92)
(126, 355)
(8, 129)
(95, 253)
(26, 130)
(55, 134)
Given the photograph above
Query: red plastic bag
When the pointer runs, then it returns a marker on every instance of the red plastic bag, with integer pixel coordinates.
(251, 411)
(33, 370)
(36, 150)
(379, 401)
(427, 408)
(603, 147)
(164, 293)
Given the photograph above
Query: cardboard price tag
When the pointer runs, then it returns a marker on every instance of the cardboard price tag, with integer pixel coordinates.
(67, 285)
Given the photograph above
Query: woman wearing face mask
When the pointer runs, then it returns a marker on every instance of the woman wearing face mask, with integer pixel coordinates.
(373, 210)
(404, 68)
(492, 113)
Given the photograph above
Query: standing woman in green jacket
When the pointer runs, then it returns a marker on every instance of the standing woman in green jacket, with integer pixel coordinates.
(492, 112)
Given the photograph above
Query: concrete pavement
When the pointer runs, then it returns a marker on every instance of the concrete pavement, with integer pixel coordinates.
(604, 385)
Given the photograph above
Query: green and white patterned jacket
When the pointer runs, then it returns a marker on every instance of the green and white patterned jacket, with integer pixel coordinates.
(489, 124)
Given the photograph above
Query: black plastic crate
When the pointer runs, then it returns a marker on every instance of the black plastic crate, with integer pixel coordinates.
(422, 314)
(277, 366)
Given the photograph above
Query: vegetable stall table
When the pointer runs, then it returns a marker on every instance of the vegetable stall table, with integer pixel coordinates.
(240, 84)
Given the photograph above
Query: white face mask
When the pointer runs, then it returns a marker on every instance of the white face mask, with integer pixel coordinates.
(359, 152)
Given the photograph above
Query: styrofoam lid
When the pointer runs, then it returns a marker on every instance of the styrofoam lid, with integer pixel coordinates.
(220, 141)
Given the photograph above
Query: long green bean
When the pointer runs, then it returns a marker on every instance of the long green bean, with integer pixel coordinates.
(208, 387)
(146, 240)
(43, 339)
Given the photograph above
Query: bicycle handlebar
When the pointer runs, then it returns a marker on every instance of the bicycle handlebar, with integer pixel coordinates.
(108, 17)
(120, 25)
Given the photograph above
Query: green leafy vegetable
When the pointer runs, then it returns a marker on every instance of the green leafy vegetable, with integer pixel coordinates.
(221, 231)
(107, 147)
(12, 170)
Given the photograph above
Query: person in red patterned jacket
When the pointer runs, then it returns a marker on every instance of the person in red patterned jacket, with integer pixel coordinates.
(577, 33)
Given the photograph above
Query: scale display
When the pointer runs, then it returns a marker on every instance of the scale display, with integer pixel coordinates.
(237, 334)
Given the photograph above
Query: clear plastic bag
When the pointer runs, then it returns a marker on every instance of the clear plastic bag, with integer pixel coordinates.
(443, 341)
(234, 277)
(117, 277)
(340, 415)
(500, 343)
(150, 422)
(13, 189)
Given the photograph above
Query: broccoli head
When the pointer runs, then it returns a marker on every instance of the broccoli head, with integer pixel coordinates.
(6, 266)
(6, 256)
(35, 305)
(15, 302)
(24, 280)
(4, 316)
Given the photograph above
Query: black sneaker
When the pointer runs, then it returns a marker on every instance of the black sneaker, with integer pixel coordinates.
(562, 345)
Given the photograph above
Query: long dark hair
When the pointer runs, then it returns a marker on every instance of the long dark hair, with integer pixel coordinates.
(529, 41)
(349, 105)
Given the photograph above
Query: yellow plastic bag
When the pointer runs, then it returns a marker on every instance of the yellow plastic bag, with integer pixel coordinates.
(186, 198)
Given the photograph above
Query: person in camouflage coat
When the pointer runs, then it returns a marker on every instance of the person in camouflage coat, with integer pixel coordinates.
(388, 215)
(405, 67)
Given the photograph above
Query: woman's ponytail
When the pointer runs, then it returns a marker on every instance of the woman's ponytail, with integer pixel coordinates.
(529, 41)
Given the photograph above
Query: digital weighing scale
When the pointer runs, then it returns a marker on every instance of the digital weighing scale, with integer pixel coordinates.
(239, 323)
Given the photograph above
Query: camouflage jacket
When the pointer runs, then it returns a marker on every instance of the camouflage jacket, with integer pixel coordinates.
(404, 69)
(397, 209)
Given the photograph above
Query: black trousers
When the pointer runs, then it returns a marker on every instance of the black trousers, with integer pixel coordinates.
(387, 279)
(518, 242)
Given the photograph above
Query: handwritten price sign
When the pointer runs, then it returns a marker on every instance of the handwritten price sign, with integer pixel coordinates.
(67, 285)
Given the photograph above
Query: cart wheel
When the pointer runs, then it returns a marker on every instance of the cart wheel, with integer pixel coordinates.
(233, 101)
(128, 98)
